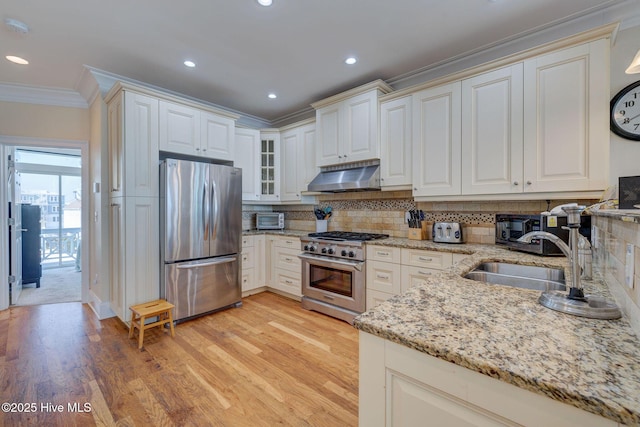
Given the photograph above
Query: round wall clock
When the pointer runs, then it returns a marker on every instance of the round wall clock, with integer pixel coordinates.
(625, 112)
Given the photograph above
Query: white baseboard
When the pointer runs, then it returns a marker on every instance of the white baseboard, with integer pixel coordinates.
(101, 308)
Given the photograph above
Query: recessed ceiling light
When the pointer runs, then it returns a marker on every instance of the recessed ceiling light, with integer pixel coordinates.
(265, 2)
(189, 64)
(272, 96)
(17, 60)
(350, 60)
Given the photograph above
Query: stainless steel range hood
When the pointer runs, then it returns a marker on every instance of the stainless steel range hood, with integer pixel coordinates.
(353, 177)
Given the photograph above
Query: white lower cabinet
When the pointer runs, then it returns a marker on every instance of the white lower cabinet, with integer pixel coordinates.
(400, 387)
(253, 265)
(135, 258)
(391, 271)
(285, 266)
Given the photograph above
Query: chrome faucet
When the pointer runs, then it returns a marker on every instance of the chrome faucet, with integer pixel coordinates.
(571, 252)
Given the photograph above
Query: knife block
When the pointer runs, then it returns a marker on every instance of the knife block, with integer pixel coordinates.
(421, 233)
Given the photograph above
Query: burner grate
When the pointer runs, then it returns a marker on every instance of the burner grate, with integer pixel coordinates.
(346, 235)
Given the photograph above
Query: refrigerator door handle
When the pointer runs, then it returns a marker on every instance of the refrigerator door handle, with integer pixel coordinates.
(214, 213)
(205, 211)
(224, 260)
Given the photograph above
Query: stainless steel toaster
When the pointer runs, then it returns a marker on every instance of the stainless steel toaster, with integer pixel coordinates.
(447, 232)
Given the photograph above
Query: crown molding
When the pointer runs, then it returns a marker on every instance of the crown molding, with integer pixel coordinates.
(41, 95)
(87, 86)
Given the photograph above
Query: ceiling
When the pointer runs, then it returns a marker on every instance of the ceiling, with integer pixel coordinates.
(243, 51)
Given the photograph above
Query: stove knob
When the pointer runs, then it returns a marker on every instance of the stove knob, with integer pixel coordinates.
(312, 248)
(306, 247)
(330, 251)
(343, 253)
(352, 254)
(324, 250)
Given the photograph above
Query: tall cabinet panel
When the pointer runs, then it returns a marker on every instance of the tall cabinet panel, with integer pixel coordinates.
(492, 132)
(566, 101)
(436, 139)
(134, 202)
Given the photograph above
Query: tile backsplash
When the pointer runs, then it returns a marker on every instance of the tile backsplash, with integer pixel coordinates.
(384, 212)
(615, 234)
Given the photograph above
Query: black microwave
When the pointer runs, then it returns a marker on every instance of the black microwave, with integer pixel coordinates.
(510, 227)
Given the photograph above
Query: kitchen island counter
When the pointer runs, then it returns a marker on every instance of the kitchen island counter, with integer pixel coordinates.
(504, 333)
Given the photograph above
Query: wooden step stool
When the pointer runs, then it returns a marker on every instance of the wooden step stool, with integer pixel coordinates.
(141, 312)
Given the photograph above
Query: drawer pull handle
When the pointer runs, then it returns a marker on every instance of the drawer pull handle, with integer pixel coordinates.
(382, 276)
(288, 282)
(382, 253)
(421, 258)
(288, 259)
(289, 242)
(425, 273)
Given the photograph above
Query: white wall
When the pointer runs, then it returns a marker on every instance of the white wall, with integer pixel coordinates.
(625, 154)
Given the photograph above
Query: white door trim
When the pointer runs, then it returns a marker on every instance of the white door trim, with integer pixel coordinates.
(20, 141)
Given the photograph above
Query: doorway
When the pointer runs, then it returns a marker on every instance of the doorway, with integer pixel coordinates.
(51, 211)
(52, 181)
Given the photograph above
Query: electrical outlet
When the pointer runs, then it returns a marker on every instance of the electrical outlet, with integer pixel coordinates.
(628, 265)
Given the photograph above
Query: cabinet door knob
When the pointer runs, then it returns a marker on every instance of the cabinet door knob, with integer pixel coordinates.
(339, 157)
(515, 182)
(529, 183)
(415, 188)
(345, 156)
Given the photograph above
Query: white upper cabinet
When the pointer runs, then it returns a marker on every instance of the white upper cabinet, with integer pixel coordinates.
(289, 187)
(307, 169)
(133, 145)
(328, 125)
(247, 149)
(436, 141)
(492, 132)
(346, 125)
(297, 161)
(179, 128)
(566, 128)
(270, 166)
(217, 136)
(395, 143)
(188, 130)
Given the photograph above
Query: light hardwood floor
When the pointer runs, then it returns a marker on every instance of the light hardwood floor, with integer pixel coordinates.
(267, 363)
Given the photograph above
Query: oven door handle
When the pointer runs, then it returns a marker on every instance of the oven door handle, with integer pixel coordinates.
(324, 261)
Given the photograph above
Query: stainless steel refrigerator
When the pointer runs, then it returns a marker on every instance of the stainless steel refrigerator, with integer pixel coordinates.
(201, 226)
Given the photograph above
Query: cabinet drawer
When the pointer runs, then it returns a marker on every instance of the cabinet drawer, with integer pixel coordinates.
(383, 253)
(376, 297)
(287, 259)
(412, 276)
(247, 241)
(288, 282)
(287, 242)
(248, 279)
(429, 259)
(383, 276)
(248, 258)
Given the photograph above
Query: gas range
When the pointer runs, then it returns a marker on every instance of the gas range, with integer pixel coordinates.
(339, 244)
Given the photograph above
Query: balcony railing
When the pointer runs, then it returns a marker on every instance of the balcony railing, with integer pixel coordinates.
(60, 247)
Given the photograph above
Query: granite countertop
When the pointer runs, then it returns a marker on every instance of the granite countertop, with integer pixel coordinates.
(504, 333)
